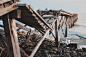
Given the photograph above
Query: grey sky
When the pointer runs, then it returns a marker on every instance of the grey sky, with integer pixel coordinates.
(77, 6)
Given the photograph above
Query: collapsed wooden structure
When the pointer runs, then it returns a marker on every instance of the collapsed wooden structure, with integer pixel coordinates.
(42, 22)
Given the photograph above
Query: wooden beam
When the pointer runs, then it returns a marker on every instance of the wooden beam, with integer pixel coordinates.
(27, 29)
(38, 45)
(22, 33)
(49, 39)
(7, 33)
(56, 33)
(3, 1)
(66, 27)
(11, 36)
(17, 0)
(7, 9)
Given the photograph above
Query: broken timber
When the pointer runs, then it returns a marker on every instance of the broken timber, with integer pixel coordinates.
(28, 16)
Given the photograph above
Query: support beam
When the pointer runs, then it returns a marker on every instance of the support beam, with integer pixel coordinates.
(66, 28)
(56, 33)
(27, 29)
(11, 36)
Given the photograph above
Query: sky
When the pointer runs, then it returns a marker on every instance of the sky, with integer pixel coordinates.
(76, 6)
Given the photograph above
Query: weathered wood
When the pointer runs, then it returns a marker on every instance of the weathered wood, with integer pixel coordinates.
(7, 33)
(27, 29)
(7, 9)
(14, 38)
(56, 33)
(40, 17)
(38, 45)
(65, 13)
(11, 36)
(66, 28)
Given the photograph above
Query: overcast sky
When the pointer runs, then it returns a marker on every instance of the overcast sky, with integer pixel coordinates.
(77, 6)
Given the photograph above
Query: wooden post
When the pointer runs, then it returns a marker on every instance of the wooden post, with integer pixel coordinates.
(56, 33)
(71, 21)
(38, 45)
(11, 37)
(66, 28)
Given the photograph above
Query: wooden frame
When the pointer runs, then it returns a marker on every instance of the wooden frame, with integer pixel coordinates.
(13, 12)
(11, 36)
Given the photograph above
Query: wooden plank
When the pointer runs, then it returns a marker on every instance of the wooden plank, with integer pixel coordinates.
(56, 33)
(14, 38)
(38, 45)
(66, 28)
(7, 9)
(11, 37)
(27, 29)
(65, 13)
(49, 39)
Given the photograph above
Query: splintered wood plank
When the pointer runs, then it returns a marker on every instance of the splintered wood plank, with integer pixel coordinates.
(11, 37)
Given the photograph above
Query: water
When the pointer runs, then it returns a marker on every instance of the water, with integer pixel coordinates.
(80, 25)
